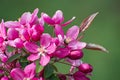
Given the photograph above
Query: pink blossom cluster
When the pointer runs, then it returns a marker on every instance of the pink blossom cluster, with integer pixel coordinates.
(28, 52)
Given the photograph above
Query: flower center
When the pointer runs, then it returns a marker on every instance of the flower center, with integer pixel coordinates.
(67, 40)
(42, 50)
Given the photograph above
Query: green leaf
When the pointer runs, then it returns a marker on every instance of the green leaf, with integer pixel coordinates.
(14, 57)
(48, 71)
(38, 67)
(23, 61)
(54, 77)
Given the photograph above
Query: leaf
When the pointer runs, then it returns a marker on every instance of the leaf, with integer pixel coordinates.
(86, 22)
(14, 57)
(54, 77)
(23, 61)
(96, 47)
(48, 71)
(39, 68)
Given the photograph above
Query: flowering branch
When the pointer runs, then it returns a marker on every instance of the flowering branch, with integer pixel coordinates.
(28, 53)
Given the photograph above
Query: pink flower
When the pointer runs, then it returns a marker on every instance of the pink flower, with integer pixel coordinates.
(43, 51)
(68, 44)
(27, 73)
(27, 17)
(57, 18)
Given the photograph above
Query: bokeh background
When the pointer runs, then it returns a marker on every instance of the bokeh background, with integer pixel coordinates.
(105, 29)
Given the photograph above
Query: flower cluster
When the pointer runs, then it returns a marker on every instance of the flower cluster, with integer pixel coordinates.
(27, 52)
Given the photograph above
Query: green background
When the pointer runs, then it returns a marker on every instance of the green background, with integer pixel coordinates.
(104, 30)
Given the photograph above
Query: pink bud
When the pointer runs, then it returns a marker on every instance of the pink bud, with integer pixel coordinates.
(85, 68)
(75, 54)
(80, 76)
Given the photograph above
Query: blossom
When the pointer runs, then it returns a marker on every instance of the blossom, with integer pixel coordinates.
(57, 18)
(33, 52)
(27, 74)
(43, 51)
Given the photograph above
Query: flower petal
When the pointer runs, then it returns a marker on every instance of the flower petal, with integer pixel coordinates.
(45, 40)
(17, 74)
(12, 24)
(12, 33)
(44, 60)
(76, 45)
(30, 70)
(2, 29)
(34, 16)
(32, 47)
(51, 48)
(73, 32)
(33, 57)
(25, 18)
(47, 19)
(59, 31)
(58, 17)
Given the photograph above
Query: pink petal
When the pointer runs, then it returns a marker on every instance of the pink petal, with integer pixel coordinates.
(12, 24)
(41, 21)
(51, 48)
(18, 43)
(25, 34)
(25, 18)
(2, 29)
(45, 40)
(76, 45)
(33, 57)
(1, 40)
(30, 70)
(11, 43)
(58, 17)
(59, 31)
(12, 33)
(68, 22)
(73, 32)
(44, 60)
(34, 16)
(17, 74)
(32, 47)
(47, 19)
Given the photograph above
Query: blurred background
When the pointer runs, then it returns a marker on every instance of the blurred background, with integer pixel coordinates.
(104, 29)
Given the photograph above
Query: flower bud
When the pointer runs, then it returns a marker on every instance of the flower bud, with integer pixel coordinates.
(85, 68)
(75, 54)
(80, 76)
